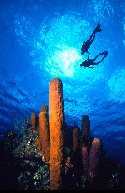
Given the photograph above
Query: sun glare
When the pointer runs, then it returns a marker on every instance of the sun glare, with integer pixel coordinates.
(65, 61)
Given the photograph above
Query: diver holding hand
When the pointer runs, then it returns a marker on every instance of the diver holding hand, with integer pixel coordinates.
(86, 45)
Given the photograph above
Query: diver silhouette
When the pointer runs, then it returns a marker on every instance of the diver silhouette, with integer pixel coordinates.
(89, 62)
(86, 45)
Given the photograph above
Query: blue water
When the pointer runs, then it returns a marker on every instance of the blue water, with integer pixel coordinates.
(41, 40)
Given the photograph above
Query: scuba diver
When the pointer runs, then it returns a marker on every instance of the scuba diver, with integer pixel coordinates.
(89, 62)
(86, 45)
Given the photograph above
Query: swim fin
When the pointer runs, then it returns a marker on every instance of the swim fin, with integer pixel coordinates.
(97, 29)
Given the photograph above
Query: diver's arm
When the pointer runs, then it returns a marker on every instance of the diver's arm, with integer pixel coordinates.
(81, 65)
(90, 67)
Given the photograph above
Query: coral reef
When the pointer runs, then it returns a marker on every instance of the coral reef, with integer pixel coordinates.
(50, 154)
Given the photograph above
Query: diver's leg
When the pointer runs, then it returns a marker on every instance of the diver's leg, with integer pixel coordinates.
(100, 60)
(92, 37)
(96, 57)
(95, 63)
(104, 53)
(97, 29)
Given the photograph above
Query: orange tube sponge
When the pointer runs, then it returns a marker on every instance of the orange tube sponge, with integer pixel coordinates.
(85, 124)
(94, 158)
(85, 159)
(44, 109)
(37, 143)
(33, 120)
(75, 138)
(44, 133)
(56, 121)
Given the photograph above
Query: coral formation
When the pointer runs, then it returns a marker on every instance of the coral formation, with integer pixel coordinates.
(56, 121)
(95, 152)
(75, 138)
(44, 133)
(85, 159)
(70, 162)
(85, 124)
(33, 120)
